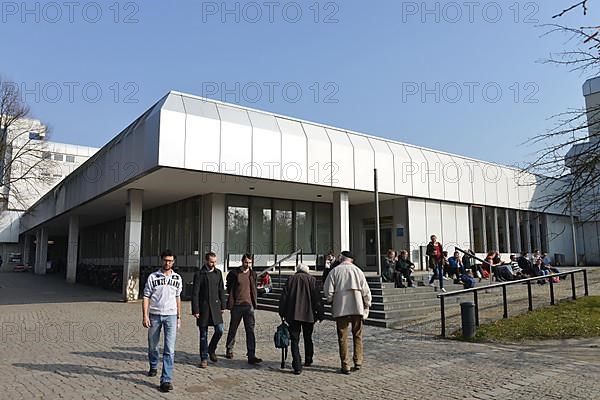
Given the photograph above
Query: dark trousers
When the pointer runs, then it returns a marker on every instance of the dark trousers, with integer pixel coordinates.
(407, 275)
(245, 312)
(307, 330)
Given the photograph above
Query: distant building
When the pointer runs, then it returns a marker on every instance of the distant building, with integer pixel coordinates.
(33, 167)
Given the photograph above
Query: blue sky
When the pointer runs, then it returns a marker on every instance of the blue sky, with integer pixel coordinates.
(426, 73)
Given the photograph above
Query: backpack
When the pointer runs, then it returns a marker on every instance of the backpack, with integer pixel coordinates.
(282, 341)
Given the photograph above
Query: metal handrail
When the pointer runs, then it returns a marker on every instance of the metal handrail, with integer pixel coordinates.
(278, 263)
(503, 285)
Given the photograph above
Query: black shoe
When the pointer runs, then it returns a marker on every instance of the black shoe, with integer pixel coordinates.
(356, 367)
(254, 360)
(308, 364)
(213, 357)
(152, 372)
(345, 371)
(297, 371)
(166, 387)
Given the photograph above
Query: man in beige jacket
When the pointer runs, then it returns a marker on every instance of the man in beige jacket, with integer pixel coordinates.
(347, 289)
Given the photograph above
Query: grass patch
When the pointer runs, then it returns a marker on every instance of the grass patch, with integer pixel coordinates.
(568, 319)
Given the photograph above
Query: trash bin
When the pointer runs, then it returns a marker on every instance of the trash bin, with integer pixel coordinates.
(467, 316)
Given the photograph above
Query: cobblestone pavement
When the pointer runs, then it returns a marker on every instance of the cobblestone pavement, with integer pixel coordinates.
(73, 342)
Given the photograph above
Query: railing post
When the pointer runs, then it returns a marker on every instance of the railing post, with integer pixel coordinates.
(573, 286)
(551, 290)
(504, 301)
(443, 316)
(585, 283)
(476, 301)
(529, 297)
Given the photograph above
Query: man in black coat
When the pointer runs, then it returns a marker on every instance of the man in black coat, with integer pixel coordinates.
(208, 305)
(301, 306)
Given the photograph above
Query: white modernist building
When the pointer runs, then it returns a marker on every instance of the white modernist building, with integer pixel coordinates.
(33, 166)
(194, 175)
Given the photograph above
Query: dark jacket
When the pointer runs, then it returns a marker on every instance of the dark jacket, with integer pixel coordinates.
(404, 265)
(326, 271)
(429, 252)
(301, 299)
(208, 296)
(232, 282)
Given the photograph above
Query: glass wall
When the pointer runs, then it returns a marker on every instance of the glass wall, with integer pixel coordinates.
(237, 224)
(502, 242)
(490, 224)
(275, 226)
(304, 226)
(513, 226)
(284, 233)
(478, 232)
(262, 225)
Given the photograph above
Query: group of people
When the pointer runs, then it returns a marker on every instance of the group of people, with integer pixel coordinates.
(398, 268)
(301, 306)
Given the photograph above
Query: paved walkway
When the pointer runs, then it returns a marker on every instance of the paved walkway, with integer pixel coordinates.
(61, 341)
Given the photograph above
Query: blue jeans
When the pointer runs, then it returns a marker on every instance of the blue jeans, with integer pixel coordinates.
(439, 271)
(169, 322)
(205, 348)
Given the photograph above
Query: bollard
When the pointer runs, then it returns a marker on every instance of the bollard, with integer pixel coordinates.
(467, 316)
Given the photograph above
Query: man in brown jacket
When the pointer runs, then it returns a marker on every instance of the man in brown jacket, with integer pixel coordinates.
(300, 306)
(241, 287)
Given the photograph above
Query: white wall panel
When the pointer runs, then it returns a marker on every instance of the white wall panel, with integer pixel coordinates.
(478, 179)
(266, 146)
(384, 162)
(450, 174)
(502, 188)
(342, 168)
(592, 250)
(293, 151)
(419, 163)
(319, 155)
(449, 227)
(513, 188)
(525, 191)
(417, 227)
(465, 182)
(560, 237)
(402, 169)
(236, 141)
(433, 211)
(364, 160)
(172, 128)
(463, 233)
(491, 175)
(202, 135)
(432, 172)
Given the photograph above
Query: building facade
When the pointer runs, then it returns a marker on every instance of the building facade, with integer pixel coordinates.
(194, 175)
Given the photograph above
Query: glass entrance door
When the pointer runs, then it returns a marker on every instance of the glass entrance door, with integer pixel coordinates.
(385, 241)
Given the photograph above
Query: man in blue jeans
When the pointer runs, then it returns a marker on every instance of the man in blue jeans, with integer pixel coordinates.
(208, 305)
(162, 309)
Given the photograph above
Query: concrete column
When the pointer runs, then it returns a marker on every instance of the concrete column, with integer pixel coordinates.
(72, 248)
(527, 241)
(26, 249)
(41, 253)
(341, 222)
(484, 228)
(213, 231)
(536, 232)
(133, 241)
(507, 231)
(520, 244)
(495, 236)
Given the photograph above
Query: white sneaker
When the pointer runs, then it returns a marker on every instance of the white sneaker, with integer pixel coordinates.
(443, 290)
(431, 284)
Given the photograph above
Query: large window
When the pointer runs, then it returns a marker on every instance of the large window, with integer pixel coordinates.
(262, 232)
(513, 226)
(237, 225)
(502, 242)
(324, 222)
(525, 243)
(304, 226)
(490, 224)
(478, 233)
(283, 227)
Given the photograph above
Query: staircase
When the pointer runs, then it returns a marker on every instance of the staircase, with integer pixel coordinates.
(390, 306)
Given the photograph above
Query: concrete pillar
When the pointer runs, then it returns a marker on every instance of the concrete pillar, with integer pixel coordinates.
(495, 236)
(484, 228)
(213, 231)
(341, 222)
(72, 248)
(536, 232)
(507, 231)
(26, 250)
(520, 244)
(41, 251)
(133, 241)
(527, 241)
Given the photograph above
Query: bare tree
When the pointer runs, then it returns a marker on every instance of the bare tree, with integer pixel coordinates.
(567, 162)
(24, 162)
